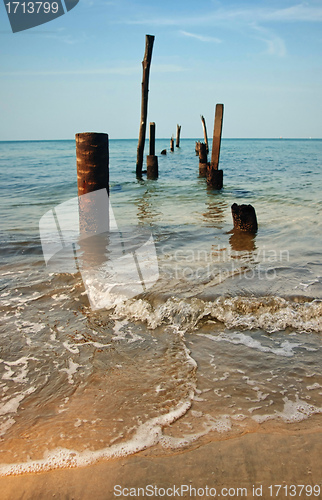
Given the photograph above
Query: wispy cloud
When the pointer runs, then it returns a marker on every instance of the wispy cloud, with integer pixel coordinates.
(275, 45)
(296, 13)
(201, 38)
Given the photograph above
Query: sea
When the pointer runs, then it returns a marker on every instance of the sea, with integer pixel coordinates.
(226, 339)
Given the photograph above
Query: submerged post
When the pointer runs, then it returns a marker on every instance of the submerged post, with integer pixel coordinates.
(178, 136)
(92, 156)
(215, 176)
(244, 217)
(203, 121)
(146, 63)
(172, 144)
(152, 169)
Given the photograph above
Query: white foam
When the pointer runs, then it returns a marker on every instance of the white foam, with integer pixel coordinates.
(313, 386)
(6, 425)
(286, 348)
(294, 411)
(147, 435)
(73, 367)
(12, 405)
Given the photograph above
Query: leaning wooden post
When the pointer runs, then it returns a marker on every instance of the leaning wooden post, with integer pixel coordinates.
(215, 176)
(146, 63)
(92, 157)
(203, 165)
(172, 144)
(152, 169)
(203, 121)
(178, 136)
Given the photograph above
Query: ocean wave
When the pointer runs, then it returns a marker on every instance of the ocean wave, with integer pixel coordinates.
(270, 314)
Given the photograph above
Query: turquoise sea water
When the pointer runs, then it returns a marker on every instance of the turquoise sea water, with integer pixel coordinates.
(227, 339)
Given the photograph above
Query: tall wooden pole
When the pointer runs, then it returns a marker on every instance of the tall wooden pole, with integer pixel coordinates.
(178, 136)
(205, 132)
(146, 63)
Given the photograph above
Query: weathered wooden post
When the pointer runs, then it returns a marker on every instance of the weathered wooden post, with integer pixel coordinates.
(172, 144)
(197, 148)
(92, 157)
(146, 63)
(203, 165)
(215, 176)
(152, 170)
(205, 132)
(244, 217)
(178, 136)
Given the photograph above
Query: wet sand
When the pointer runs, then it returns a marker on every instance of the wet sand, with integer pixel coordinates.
(253, 460)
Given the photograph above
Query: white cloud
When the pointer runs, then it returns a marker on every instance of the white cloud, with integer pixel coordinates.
(297, 13)
(201, 38)
(275, 45)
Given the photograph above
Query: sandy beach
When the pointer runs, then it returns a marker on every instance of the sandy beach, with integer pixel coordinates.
(243, 467)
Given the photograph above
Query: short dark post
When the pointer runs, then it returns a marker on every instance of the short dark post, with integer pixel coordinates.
(92, 156)
(203, 160)
(152, 139)
(172, 144)
(197, 148)
(205, 132)
(152, 170)
(178, 136)
(146, 63)
(244, 217)
(215, 176)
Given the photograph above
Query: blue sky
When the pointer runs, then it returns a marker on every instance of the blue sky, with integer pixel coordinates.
(82, 72)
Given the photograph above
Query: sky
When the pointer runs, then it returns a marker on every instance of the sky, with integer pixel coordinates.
(82, 72)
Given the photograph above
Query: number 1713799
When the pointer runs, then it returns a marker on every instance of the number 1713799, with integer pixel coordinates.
(294, 490)
(32, 7)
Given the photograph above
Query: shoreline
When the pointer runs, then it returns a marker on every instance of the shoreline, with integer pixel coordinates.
(258, 460)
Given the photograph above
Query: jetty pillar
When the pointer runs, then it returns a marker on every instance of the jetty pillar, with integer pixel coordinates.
(146, 63)
(215, 176)
(172, 144)
(152, 169)
(92, 157)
